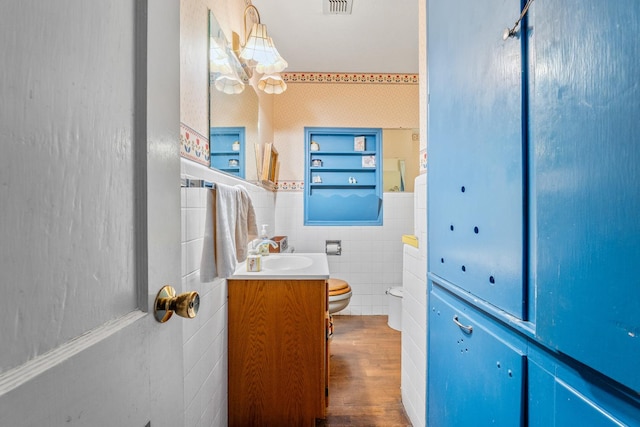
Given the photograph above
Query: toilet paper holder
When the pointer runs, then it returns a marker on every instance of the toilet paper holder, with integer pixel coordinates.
(333, 247)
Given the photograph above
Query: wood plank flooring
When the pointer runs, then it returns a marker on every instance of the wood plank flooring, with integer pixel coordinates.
(364, 382)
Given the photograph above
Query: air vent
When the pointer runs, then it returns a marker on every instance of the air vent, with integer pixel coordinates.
(337, 7)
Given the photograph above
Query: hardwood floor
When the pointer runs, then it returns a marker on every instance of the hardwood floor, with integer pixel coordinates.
(364, 382)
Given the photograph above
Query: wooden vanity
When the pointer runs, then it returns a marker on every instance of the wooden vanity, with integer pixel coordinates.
(278, 349)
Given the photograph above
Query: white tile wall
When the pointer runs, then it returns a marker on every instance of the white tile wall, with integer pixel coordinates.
(414, 313)
(371, 259)
(205, 337)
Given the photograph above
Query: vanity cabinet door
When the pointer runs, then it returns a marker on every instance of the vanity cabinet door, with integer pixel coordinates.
(277, 350)
(476, 369)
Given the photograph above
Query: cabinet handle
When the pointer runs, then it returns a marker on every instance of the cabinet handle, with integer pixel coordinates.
(465, 328)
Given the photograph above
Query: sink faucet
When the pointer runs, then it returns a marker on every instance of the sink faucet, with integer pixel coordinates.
(257, 243)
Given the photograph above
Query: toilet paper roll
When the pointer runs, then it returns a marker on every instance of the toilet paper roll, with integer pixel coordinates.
(333, 249)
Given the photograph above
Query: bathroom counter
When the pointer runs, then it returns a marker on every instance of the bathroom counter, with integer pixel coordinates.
(287, 266)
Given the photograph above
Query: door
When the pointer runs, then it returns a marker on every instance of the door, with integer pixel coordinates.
(585, 172)
(475, 146)
(89, 218)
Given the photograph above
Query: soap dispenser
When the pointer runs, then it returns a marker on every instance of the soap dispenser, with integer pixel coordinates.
(263, 248)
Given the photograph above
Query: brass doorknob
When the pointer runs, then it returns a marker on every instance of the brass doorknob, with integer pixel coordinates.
(184, 305)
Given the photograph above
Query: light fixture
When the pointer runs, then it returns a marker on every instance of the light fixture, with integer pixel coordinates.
(223, 66)
(229, 83)
(260, 53)
(278, 64)
(218, 58)
(272, 84)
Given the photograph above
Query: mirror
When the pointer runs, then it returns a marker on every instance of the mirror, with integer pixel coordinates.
(400, 151)
(233, 109)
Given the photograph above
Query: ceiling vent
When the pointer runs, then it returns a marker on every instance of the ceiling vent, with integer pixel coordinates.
(337, 7)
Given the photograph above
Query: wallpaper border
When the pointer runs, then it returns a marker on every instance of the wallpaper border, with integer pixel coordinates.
(193, 145)
(403, 79)
(290, 185)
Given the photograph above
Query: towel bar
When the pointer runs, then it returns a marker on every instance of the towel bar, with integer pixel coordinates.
(196, 183)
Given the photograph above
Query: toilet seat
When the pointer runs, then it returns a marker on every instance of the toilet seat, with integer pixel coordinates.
(338, 287)
(339, 295)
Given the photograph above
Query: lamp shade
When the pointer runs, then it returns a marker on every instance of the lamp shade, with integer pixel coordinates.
(218, 58)
(258, 47)
(272, 84)
(220, 65)
(278, 64)
(216, 51)
(229, 83)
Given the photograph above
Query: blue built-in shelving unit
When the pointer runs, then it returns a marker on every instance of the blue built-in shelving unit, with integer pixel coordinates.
(343, 182)
(533, 201)
(223, 155)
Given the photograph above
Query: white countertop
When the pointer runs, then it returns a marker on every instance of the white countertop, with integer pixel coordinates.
(287, 266)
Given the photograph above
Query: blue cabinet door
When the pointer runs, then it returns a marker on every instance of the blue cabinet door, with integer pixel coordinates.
(475, 148)
(476, 373)
(561, 394)
(585, 125)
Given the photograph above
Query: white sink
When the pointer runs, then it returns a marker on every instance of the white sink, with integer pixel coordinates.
(287, 266)
(289, 262)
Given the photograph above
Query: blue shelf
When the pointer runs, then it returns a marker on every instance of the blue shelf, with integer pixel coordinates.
(220, 143)
(323, 169)
(336, 201)
(321, 185)
(342, 153)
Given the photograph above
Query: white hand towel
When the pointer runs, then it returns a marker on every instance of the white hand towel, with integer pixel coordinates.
(227, 212)
(246, 226)
(208, 269)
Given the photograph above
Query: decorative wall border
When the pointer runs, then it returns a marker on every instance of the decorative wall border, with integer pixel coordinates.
(290, 186)
(403, 79)
(423, 160)
(193, 145)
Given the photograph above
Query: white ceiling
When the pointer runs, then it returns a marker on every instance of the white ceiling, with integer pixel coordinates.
(379, 36)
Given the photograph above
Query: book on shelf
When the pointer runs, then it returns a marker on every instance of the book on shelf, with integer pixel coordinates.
(359, 143)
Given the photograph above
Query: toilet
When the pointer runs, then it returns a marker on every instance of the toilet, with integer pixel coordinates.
(339, 295)
(395, 307)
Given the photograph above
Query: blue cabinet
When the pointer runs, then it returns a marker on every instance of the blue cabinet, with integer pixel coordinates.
(226, 145)
(535, 141)
(343, 183)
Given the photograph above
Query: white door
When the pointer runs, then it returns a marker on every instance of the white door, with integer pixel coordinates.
(89, 213)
